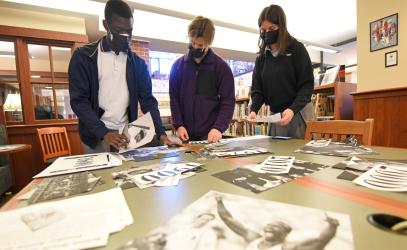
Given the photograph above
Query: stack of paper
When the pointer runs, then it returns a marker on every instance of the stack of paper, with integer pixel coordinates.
(79, 163)
(75, 223)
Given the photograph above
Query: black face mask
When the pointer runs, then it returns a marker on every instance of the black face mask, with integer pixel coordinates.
(118, 42)
(270, 37)
(195, 53)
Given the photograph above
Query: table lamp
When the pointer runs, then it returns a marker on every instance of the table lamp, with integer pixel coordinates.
(13, 104)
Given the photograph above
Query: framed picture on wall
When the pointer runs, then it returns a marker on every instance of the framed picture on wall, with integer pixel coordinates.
(390, 58)
(384, 32)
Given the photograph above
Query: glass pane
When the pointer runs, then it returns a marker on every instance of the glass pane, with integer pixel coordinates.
(60, 62)
(43, 101)
(11, 99)
(64, 108)
(39, 63)
(7, 62)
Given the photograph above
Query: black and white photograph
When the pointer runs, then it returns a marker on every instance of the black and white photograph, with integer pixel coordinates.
(63, 186)
(39, 219)
(390, 176)
(126, 178)
(150, 153)
(257, 179)
(327, 147)
(224, 221)
(138, 133)
(355, 166)
(234, 151)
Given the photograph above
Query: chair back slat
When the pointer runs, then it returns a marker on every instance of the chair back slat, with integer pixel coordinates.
(54, 142)
(338, 130)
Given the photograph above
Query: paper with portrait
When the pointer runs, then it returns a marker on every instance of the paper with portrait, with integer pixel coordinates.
(138, 133)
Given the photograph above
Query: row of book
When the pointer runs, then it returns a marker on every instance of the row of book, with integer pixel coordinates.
(324, 104)
(237, 128)
(242, 110)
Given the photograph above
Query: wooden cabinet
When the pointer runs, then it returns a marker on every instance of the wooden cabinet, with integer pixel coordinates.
(388, 109)
(342, 99)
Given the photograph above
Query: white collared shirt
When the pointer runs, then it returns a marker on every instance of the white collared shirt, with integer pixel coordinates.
(113, 89)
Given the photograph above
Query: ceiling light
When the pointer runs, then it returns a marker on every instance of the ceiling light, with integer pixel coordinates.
(323, 48)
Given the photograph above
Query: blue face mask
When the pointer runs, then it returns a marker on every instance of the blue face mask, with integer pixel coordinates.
(270, 37)
(195, 53)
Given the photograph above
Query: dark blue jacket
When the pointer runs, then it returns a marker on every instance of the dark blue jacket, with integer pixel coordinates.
(202, 96)
(84, 92)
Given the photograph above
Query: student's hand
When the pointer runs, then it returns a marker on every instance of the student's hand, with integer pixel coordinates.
(116, 140)
(214, 135)
(251, 117)
(165, 141)
(287, 116)
(182, 134)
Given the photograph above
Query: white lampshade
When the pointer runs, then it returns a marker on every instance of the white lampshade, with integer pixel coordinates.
(13, 103)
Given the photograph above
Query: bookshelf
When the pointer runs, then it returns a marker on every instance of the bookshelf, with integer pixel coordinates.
(333, 101)
(240, 127)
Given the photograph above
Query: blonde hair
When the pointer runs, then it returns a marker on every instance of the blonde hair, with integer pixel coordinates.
(202, 27)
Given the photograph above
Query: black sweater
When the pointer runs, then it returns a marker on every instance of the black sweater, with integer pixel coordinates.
(285, 81)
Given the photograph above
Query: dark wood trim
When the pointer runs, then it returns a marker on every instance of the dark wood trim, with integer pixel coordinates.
(396, 91)
(42, 34)
(23, 69)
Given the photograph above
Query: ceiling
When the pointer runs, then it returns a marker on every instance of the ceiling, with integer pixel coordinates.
(317, 21)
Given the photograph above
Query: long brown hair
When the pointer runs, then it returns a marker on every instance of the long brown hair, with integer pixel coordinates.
(275, 14)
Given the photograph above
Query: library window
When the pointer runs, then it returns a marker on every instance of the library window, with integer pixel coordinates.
(49, 80)
(9, 83)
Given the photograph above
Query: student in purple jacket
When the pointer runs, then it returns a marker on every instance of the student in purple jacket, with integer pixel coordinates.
(202, 90)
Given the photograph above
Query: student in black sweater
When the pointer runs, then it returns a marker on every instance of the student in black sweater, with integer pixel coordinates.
(283, 76)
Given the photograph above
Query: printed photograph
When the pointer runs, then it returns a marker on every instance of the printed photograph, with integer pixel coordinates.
(63, 186)
(257, 179)
(224, 221)
(334, 149)
(150, 153)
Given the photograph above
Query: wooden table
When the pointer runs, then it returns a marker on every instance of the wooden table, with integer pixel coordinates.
(13, 148)
(153, 207)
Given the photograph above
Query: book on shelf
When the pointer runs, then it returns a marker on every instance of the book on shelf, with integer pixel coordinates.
(240, 127)
(324, 104)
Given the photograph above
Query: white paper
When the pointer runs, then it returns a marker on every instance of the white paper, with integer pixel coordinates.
(270, 118)
(274, 165)
(79, 163)
(243, 138)
(168, 170)
(318, 143)
(75, 223)
(385, 177)
(139, 132)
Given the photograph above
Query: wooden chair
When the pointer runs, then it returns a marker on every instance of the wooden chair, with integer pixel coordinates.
(338, 130)
(54, 143)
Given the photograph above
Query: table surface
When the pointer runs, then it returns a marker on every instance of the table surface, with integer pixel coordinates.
(153, 207)
(13, 148)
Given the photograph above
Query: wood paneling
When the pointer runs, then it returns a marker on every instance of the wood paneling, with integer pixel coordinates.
(388, 108)
(27, 164)
(42, 34)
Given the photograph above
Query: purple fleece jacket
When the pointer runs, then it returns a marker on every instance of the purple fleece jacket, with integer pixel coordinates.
(202, 96)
